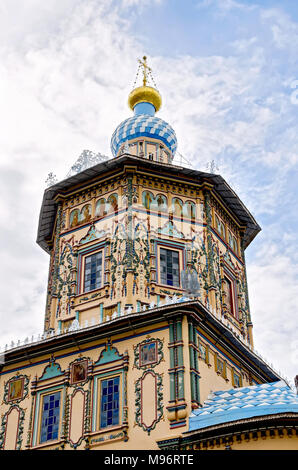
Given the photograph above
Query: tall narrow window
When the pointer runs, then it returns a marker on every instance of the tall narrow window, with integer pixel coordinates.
(109, 409)
(220, 227)
(169, 267)
(50, 417)
(233, 242)
(93, 272)
(229, 295)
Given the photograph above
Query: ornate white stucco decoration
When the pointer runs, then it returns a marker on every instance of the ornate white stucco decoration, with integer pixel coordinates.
(51, 179)
(86, 160)
(75, 325)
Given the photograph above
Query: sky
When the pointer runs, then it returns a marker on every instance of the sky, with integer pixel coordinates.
(227, 71)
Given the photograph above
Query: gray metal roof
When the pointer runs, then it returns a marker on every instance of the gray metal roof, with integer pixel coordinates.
(49, 206)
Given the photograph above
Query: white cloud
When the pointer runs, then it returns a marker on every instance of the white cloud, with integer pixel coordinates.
(284, 30)
(225, 5)
(58, 96)
(273, 293)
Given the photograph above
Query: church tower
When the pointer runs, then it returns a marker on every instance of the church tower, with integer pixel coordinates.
(129, 241)
(147, 305)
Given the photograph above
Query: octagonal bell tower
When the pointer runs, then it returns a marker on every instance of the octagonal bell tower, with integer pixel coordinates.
(136, 231)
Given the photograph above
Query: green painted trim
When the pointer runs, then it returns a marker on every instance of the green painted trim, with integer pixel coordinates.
(172, 386)
(180, 377)
(180, 356)
(159, 401)
(191, 357)
(20, 431)
(172, 358)
(195, 387)
(179, 330)
(171, 332)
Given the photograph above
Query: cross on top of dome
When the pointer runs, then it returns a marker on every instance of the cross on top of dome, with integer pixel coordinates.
(147, 72)
(144, 134)
(146, 93)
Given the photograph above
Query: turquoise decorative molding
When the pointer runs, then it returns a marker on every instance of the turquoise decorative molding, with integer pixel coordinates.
(170, 230)
(92, 234)
(51, 371)
(108, 355)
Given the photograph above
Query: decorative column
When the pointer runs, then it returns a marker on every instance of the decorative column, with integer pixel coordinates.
(129, 242)
(247, 309)
(53, 274)
(210, 254)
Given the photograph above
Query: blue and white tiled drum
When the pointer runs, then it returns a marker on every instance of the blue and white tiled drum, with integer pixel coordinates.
(144, 125)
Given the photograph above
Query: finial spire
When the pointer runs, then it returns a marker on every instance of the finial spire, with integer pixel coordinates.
(144, 94)
(146, 70)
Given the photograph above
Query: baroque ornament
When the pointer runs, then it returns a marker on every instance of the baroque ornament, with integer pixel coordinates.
(20, 430)
(146, 416)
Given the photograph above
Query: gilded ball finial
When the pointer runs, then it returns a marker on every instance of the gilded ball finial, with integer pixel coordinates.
(145, 93)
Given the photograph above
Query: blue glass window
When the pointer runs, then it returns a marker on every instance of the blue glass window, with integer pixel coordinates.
(169, 267)
(93, 272)
(109, 410)
(50, 417)
(236, 380)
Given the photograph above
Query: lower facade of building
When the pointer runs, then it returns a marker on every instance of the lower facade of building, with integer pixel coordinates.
(127, 384)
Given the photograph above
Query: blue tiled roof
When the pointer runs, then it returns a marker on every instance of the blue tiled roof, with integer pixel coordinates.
(244, 402)
(144, 125)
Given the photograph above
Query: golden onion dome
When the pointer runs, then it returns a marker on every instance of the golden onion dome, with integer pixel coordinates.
(144, 94)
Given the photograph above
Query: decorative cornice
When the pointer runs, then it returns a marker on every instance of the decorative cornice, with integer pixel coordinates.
(129, 323)
(91, 176)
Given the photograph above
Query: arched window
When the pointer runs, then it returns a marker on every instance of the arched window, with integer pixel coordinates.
(190, 210)
(233, 242)
(219, 225)
(112, 204)
(162, 203)
(177, 206)
(147, 199)
(85, 214)
(100, 208)
(74, 218)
